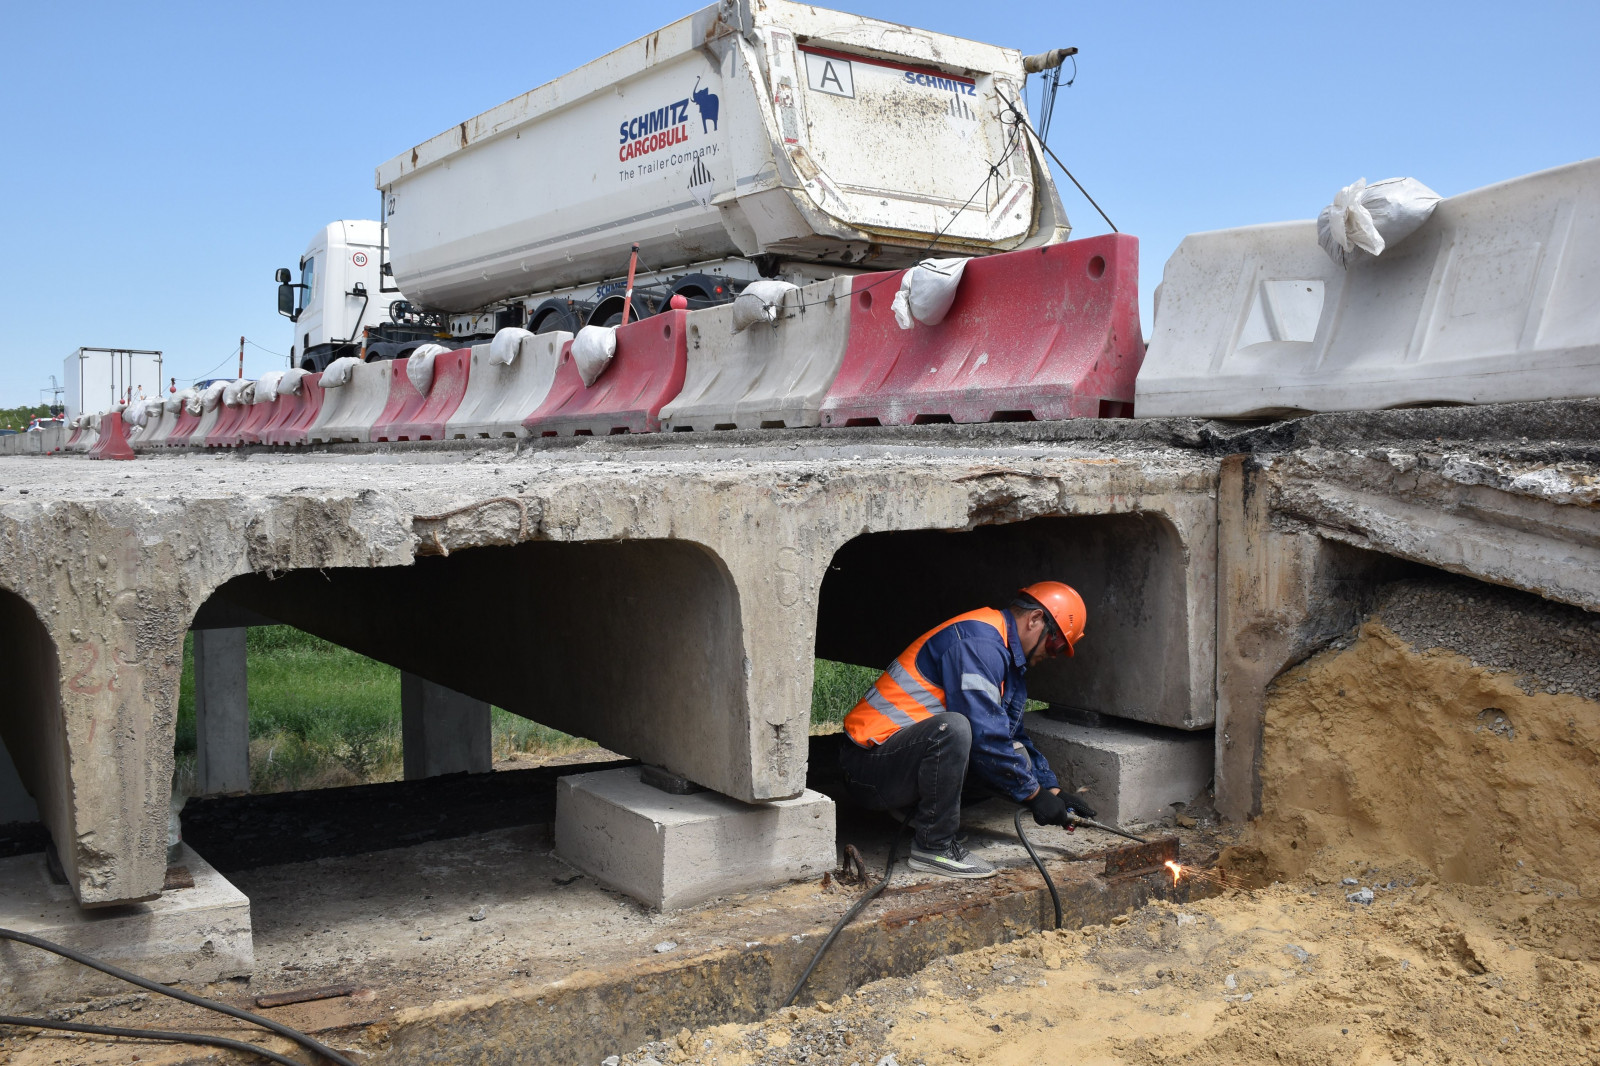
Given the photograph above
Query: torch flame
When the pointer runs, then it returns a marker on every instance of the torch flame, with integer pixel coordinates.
(1177, 871)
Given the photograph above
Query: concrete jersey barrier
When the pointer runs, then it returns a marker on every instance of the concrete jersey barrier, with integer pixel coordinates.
(499, 398)
(641, 378)
(349, 411)
(1490, 301)
(298, 406)
(423, 417)
(1046, 333)
(767, 376)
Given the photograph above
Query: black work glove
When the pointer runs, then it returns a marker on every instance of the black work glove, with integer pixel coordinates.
(1048, 808)
(1083, 809)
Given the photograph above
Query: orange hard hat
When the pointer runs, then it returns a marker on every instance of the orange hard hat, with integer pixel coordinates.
(1063, 604)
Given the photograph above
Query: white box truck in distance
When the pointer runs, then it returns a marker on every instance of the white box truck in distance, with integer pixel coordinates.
(751, 138)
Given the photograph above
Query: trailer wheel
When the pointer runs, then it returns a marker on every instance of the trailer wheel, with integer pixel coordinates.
(558, 314)
(608, 312)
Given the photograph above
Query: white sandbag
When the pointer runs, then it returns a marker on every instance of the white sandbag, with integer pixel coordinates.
(419, 366)
(177, 401)
(593, 349)
(506, 345)
(926, 291)
(210, 398)
(339, 371)
(760, 302)
(235, 393)
(1369, 218)
(267, 387)
(292, 382)
(136, 413)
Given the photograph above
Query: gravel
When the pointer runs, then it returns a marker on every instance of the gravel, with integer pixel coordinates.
(1555, 647)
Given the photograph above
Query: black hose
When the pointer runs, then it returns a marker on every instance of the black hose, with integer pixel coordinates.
(150, 1034)
(1055, 897)
(296, 1035)
(849, 915)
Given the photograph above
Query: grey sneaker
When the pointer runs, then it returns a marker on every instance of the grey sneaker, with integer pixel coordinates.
(953, 861)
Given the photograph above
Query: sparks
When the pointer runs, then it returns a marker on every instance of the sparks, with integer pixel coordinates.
(1177, 871)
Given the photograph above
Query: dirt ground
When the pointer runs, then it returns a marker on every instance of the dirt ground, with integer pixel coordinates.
(1457, 796)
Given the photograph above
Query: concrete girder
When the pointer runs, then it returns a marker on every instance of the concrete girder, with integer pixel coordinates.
(707, 672)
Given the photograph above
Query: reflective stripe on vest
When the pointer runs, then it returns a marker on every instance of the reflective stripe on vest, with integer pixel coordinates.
(902, 696)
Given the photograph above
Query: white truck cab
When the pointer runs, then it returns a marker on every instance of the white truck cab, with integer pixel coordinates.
(340, 292)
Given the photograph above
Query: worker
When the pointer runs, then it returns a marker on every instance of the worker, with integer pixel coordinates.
(951, 705)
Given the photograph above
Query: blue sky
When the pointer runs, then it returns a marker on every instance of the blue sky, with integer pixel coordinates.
(165, 158)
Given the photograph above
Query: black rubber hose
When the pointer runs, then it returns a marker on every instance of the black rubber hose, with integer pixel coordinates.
(1055, 897)
(151, 1034)
(296, 1035)
(849, 915)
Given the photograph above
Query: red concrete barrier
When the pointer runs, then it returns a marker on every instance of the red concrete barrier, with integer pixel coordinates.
(184, 428)
(255, 421)
(450, 371)
(77, 431)
(646, 373)
(296, 412)
(113, 442)
(1046, 333)
(405, 403)
(225, 431)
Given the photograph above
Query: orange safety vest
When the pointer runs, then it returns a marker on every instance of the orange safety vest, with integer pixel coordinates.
(902, 696)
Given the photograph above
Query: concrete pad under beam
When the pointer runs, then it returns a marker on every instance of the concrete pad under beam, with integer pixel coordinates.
(673, 851)
(1134, 772)
(192, 935)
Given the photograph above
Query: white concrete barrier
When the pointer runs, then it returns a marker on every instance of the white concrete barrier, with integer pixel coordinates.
(1491, 301)
(349, 411)
(90, 434)
(768, 376)
(499, 395)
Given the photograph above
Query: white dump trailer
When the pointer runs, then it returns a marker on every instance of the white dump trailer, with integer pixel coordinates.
(753, 137)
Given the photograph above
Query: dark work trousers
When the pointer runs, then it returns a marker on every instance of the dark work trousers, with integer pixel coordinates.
(921, 767)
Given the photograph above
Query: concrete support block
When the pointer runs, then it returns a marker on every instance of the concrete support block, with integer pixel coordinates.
(191, 935)
(1134, 772)
(16, 805)
(672, 851)
(441, 730)
(221, 711)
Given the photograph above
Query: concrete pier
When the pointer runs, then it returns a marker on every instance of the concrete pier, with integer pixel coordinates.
(441, 730)
(221, 711)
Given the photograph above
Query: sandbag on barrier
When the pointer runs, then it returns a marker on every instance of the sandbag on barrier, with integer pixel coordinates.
(1045, 333)
(157, 424)
(420, 413)
(113, 440)
(1491, 300)
(90, 433)
(645, 374)
(231, 413)
(189, 418)
(263, 405)
(771, 374)
(299, 400)
(401, 407)
(350, 410)
(504, 388)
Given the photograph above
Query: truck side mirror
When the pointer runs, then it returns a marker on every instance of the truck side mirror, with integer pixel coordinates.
(286, 299)
(282, 276)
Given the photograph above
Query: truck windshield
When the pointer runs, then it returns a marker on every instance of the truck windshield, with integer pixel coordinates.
(308, 276)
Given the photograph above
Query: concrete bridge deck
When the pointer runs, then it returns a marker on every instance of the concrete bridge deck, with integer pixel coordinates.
(666, 596)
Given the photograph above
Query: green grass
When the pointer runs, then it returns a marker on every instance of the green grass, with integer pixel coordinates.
(322, 716)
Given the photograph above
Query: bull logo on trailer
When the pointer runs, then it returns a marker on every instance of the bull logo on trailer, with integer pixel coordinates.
(707, 102)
